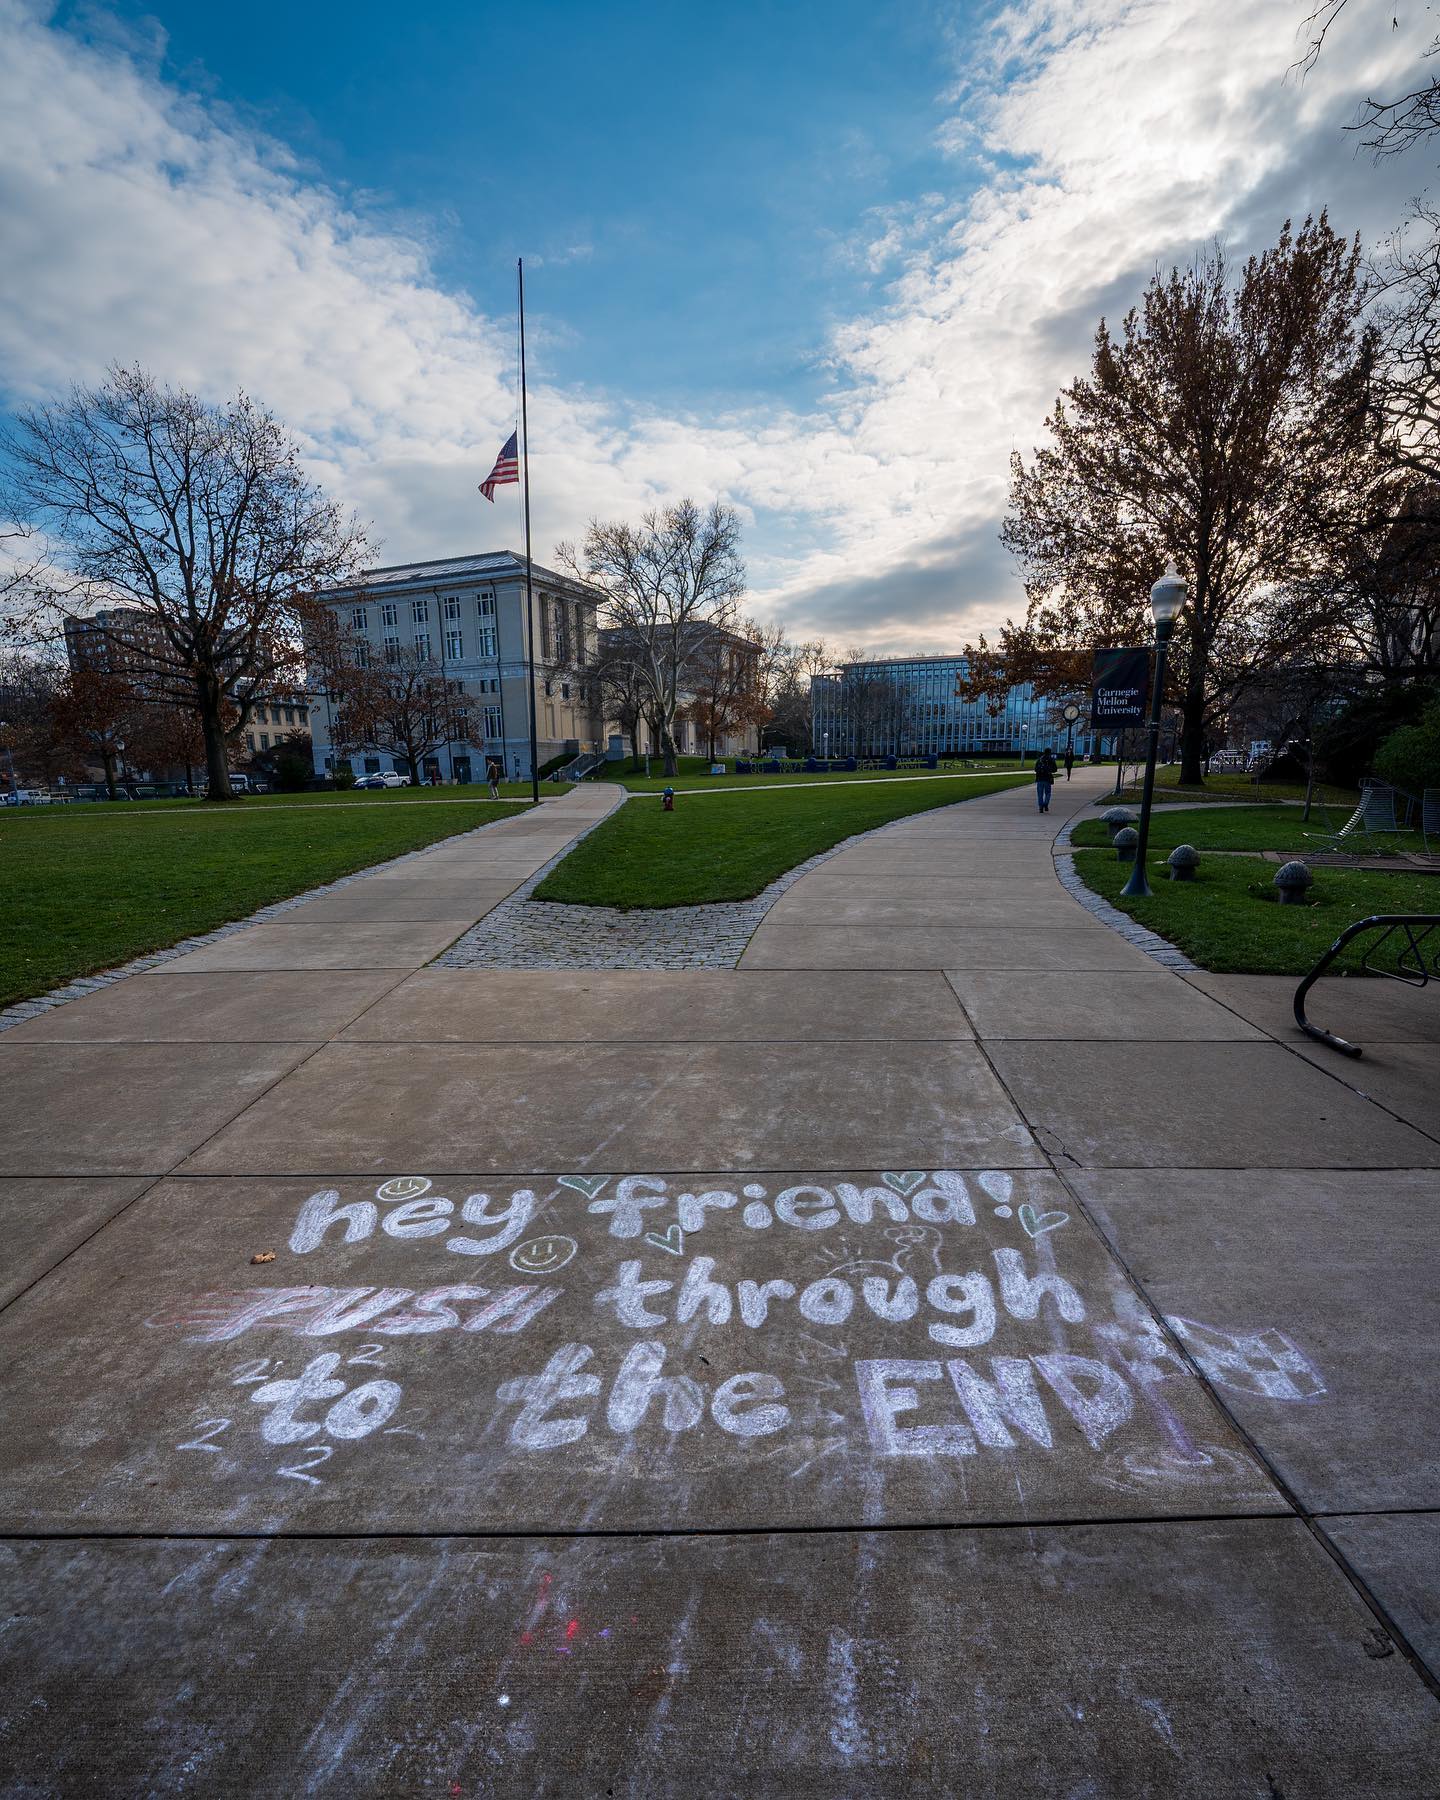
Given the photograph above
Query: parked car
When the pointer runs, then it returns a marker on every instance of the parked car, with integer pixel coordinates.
(30, 797)
(385, 778)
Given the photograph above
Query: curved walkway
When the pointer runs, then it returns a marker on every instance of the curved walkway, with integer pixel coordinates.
(946, 1353)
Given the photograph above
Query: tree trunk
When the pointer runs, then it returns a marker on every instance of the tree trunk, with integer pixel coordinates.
(217, 751)
(107, 763)
(1192, 742)
(667, 746)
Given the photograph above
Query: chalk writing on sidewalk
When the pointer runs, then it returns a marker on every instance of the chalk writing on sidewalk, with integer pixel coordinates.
(921, 1314)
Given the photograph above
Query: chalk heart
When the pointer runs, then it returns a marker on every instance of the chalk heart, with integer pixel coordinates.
(588, 1185)
(672, 1238)
(996, 1184)
(1037, 1223)
(905, 1182)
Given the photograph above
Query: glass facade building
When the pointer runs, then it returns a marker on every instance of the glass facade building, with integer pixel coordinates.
(909, 706)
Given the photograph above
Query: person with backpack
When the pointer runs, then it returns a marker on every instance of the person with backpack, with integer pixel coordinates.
(492, 775)
(1045, 767)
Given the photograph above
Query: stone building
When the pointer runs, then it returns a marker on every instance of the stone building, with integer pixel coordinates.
(466, 615)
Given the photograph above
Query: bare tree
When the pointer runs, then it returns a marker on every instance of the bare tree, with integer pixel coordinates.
(1392, 126)
(196, 526)
(671, 582)
(95, 715)
(404, 706)
(726, 684)
(1217, 427)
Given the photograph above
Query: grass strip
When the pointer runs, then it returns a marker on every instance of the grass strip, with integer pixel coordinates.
(724, 849)
(83, 889)
(1228, 920)
(1243, 828)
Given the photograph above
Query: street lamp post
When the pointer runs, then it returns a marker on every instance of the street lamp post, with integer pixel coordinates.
(1166, 598)
(1070, 715)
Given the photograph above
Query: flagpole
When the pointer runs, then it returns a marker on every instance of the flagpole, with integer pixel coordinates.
(529, 596)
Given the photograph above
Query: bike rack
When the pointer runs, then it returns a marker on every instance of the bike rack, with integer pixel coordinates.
(1411, 967)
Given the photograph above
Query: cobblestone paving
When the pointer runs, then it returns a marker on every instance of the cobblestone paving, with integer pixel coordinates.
(1138, 935)
(521, 933)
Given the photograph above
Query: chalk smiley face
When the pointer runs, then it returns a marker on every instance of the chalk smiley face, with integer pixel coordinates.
(404, 1187)
(543, 1255)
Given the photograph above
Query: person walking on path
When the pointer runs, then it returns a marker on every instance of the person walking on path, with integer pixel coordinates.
(1069, 762)
(492, 775)
(1045, 767)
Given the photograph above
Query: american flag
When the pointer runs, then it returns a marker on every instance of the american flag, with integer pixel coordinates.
(507, 468)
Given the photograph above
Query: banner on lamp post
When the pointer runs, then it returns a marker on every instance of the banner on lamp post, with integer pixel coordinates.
(1119, 690)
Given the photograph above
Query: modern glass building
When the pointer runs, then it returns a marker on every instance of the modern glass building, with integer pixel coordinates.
(909, 706)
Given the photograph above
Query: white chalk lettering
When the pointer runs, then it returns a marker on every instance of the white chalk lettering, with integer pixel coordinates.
(958, 1294)
(692, 1207)
(512, 1221)
(1009, 1398)
(828, 1301)
(882, 1403)
(430, 1311)
(351, 1308)
(511, 1309)
(1022, 1293)
(322, 1210)
(755, 1298)
(363, 1410)
(946, 1201)
(860, 1203)
(640, 1380)
(1262, 1362)
(418, 1218)
(817, 1213)
(285, 1398)
(629, 1294)
(1098, 1414)
(558, 1381)
(897, 1308)
(699, 1290)
(755, 1421)
(626, 1206)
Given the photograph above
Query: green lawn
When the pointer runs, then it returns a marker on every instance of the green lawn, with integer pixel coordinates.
(729, 847)
(694, 779)
(85, 888)
(1231, 784)
(1228, 920)
(1241, 828)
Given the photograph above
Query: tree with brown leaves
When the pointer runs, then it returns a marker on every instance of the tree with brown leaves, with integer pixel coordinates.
(1216, 427)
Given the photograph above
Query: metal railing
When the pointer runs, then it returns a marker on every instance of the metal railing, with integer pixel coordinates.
(1415, 931)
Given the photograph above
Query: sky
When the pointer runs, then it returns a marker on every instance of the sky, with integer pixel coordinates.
(829, 262)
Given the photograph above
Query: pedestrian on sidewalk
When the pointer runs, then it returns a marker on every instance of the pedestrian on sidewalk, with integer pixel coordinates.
(492, 775)
(1045, 767)
(1069, 762)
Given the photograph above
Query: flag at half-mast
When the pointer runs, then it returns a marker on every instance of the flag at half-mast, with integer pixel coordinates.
(507, 468)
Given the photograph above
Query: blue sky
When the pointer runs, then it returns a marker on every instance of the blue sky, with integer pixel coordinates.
(828, 261)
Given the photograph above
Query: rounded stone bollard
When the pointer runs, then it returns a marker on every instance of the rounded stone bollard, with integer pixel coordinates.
(1125, 840)
(1116, 819)
(1184, 859)
(1292, 881)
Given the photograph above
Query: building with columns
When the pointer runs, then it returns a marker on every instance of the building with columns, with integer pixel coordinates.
(466, 615)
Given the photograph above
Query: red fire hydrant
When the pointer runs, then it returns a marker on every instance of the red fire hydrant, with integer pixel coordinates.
(667, 800)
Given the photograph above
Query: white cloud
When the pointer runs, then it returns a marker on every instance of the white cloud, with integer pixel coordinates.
(140, 224)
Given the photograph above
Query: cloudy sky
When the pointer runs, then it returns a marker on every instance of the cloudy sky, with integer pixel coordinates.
(827, 259)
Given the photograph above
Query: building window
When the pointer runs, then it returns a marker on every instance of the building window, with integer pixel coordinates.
(420, 611)
(564, 690)
(545, 635)
(487, 640)
(362, 655)
(454, 644)
(422, 645)
(357, 618)
(452, 609)
(250, 741)
(304, 712)
(492, 721)
(462, 723)
(392, 649)
(289, 715)
(389, 616)
(487, 606)
(549, 689)
(264, 740)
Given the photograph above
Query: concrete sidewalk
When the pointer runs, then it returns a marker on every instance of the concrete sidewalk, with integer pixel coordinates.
(946, 1354)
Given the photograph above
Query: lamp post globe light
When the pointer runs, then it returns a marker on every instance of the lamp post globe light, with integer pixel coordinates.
(1166, 598)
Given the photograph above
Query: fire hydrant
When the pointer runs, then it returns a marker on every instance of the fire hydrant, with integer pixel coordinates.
(667, 800)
